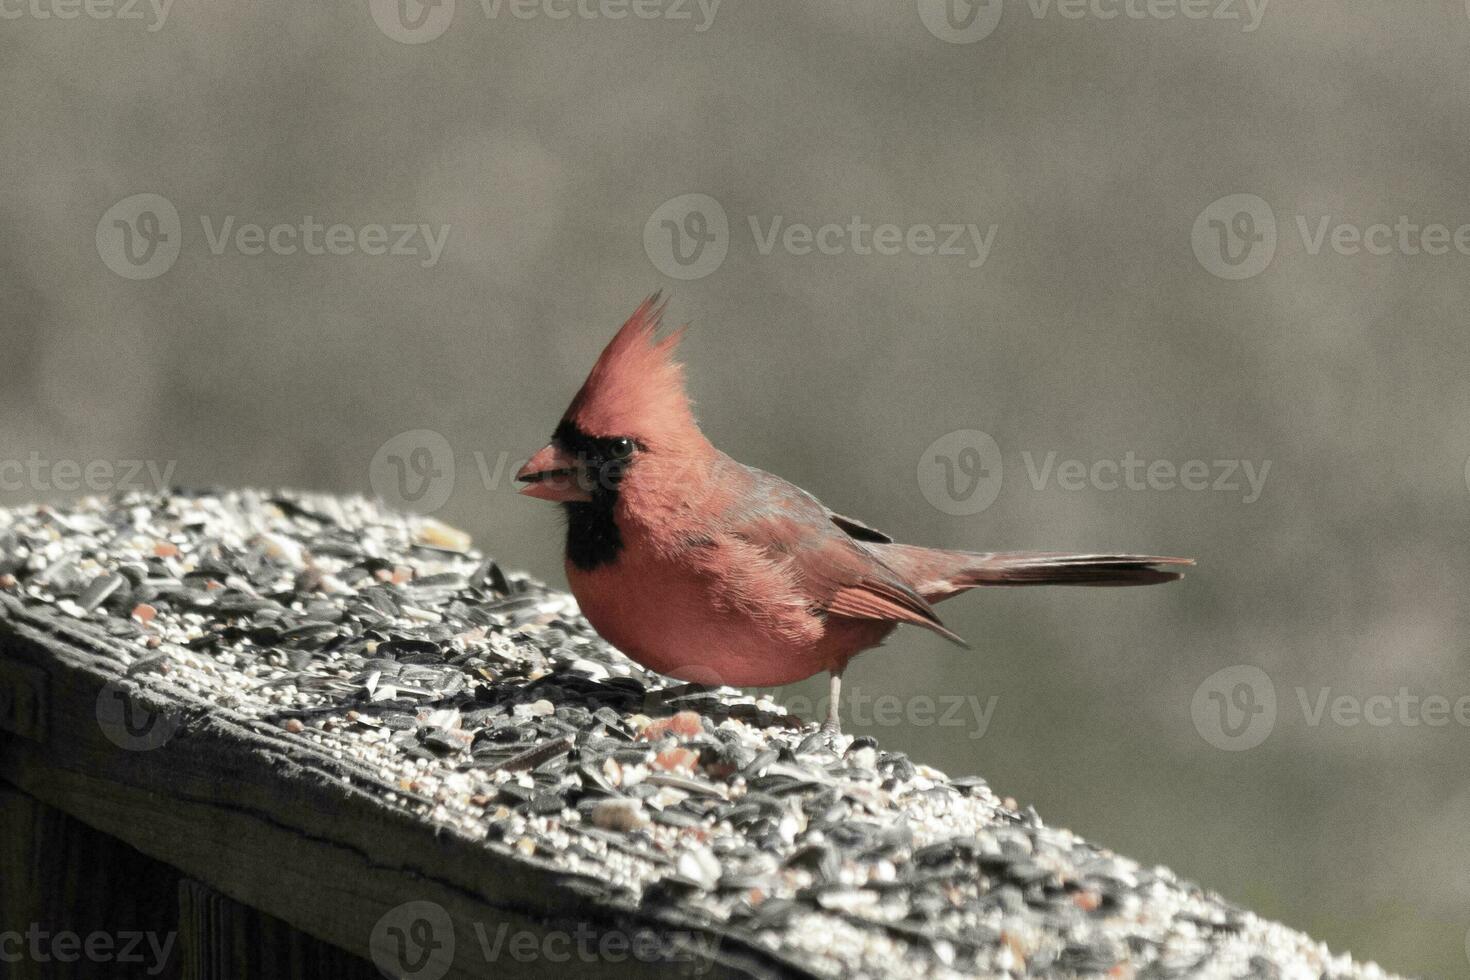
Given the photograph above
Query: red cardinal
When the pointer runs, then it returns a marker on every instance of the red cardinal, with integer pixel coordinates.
(711, 571)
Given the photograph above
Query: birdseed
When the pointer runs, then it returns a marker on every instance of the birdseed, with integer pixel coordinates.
(480, 700)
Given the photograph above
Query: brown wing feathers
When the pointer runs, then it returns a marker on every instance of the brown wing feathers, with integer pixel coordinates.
(877, 599)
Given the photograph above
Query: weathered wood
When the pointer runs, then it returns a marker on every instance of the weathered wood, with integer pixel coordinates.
(293, 836)
(220, 939)
(62, 876)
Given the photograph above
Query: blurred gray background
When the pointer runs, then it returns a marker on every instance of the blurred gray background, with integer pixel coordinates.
(1105, 320)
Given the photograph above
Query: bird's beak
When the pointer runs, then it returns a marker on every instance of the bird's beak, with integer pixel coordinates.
(552, 474)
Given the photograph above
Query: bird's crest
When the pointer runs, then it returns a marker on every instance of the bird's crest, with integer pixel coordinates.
(636, 388)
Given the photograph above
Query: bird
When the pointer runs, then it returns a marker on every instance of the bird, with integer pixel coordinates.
(713, 572)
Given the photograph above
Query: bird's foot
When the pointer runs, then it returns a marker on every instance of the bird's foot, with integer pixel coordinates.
(829, 736)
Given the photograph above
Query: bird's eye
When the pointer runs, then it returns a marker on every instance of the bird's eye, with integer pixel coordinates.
(621, 447)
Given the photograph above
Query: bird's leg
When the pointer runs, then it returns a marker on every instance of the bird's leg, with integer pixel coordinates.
(833, 724)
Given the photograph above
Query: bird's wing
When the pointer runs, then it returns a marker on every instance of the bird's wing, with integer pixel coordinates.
(876, 598)
(816, 554)
(857, 530)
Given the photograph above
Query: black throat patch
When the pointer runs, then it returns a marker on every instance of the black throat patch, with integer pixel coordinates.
(593, 537)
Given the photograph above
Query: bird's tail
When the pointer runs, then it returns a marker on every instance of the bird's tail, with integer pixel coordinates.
(937, 574)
